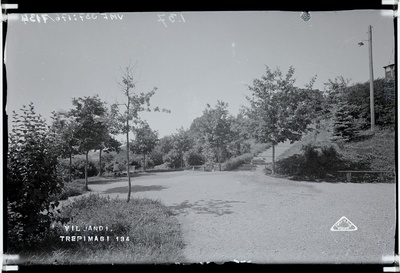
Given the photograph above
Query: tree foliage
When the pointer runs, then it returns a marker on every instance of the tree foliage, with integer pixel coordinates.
(347, 121)
(240, 133)
(352, 114)
(214, 131)
(91, 131)
(384, 98)
(335, 90)
(145, 141)
(31, 177)
(89, 113)
(176, 146)
(279, 111)
(109, 144)
(64, 125)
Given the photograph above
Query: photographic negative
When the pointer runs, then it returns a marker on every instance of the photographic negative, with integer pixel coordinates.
(191, 137)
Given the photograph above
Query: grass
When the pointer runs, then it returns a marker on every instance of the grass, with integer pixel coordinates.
(135, 188)
(77, 187)
(372, 151)
(151, 234)
(378, 149)
(73, 188)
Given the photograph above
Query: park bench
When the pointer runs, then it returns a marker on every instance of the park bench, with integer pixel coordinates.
(258, 161)
(206, 167)
(131, 171)
(198, 167)
(349, 173)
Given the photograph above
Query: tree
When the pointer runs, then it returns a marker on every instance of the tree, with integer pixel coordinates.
(134, 104)
(239, 134)
(215, 131)
(65, 125)
(166, 144)
(352, 110)
(92, 131)
(335, 90)
(347, 121)
(145, 142)
(175, 147)
(278, 110)
(384, 97)
(31, 177)
(182, 143)
(109, 144)
(193, 157)
(155, 157)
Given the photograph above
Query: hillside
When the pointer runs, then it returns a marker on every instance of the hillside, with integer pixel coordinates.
(372, 151)
(318, 137)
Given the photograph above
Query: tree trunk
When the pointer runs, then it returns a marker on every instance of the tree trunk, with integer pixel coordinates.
(86, 170)
(181, 160)
(70, 167)
(144, 162)
(219, 159)
(273, 158)
(100, 170)
(127, 158)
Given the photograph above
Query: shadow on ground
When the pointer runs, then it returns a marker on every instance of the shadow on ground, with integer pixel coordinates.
(216, 207)
(135, 188)
(108, 180)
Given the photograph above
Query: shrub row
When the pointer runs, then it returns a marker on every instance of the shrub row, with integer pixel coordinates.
(316, 163)
(236, 162)
(72, 188)
(77, 169)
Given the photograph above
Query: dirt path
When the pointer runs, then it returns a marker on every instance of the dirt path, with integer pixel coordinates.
(245, 215)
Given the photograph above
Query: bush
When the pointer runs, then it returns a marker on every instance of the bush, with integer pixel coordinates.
(314, 163)
(78, 168)
(73, 188)
(173, 159)
(155, 157)
(234, 163)
(192, 158)
(107, 158)
(291, 165)
(63, 170)
(31, 178)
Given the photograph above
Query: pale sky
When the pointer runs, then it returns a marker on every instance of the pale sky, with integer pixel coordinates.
(200, 58)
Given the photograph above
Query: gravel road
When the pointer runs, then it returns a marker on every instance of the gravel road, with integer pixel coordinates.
(247, 216)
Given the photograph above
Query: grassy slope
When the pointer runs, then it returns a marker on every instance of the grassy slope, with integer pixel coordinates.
(377, 149)
(319, 137)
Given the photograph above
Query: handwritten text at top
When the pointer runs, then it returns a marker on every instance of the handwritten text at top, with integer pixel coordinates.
(170, 18)
(68, 17)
